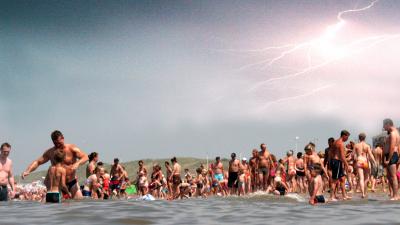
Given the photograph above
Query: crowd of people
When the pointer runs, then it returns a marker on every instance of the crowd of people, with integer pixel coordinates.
(344, 168)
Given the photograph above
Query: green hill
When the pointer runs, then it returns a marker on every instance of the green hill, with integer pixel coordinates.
(132, 166)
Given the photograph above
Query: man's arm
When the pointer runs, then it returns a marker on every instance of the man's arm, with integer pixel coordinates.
(391, 146)
(343, 157)
(11, 179)
(35, 164)
(83, 157)
(371, 156)
(64, 187)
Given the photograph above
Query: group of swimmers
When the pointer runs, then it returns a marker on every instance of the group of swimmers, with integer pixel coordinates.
(341, 168)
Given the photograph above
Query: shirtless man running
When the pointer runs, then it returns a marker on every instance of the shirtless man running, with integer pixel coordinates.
(6, 172)
(74, 157)
(264, 166)
(339, 165)
(392, 156)
(363, 157)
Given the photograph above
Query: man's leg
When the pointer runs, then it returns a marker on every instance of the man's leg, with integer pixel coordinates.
(393, 181)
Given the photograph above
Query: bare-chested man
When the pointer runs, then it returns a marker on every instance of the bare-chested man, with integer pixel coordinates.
(217, 172)
(339, 165)
(392, 156)
(6, 172)
(234, 165)
(116, 177)
(74, 157)
(175, 177)
(377, 171)
(264, 166)
(310, 159)
(363, 157)
(253, 163)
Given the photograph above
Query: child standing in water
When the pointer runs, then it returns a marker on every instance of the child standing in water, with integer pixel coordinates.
(316, 185)
(241, 182)
(57, 174)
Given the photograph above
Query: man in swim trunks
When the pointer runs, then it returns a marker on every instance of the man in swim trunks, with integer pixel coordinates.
(339, 165)
(6, 172)
(175, 177)
(217, 172)
(74, 157)
(363, 157)
(264, 166)
(392, 157)
(116, 176)
(57, 175)
(253, 163)
(234, 166)
(377, 172)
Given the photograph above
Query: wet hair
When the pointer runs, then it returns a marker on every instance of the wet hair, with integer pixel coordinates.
(344, 133)
(5, 145)
(59, 155)
(174, 159)
(140, 161)
(299, 155)
(92, 156)
(166, 162)
(56, 134)
(331, 140)
(388, 121)
(233, 155)
(217, 158)
(116, 160)
(100, 163)
(362, 136)
(262, 145)
(199, 170)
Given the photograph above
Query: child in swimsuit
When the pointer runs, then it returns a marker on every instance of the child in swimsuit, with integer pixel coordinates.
(316, 185)
(240, 182)
(57, 174)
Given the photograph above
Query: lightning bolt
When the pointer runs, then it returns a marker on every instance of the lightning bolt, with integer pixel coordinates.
(324, 39)
(312, 92)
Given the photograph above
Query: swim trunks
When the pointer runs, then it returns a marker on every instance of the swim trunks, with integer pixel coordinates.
(115, 184)
(86, 193)
(319, 199)
(232, 178)
(394, 159)
(264, 170)
(53, 197)
(300, 173)
(3, 193)
(219, 177)
(337, 169)
(71, 184)
(176, 179)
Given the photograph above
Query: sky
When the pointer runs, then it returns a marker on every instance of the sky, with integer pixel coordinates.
(156, 79)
